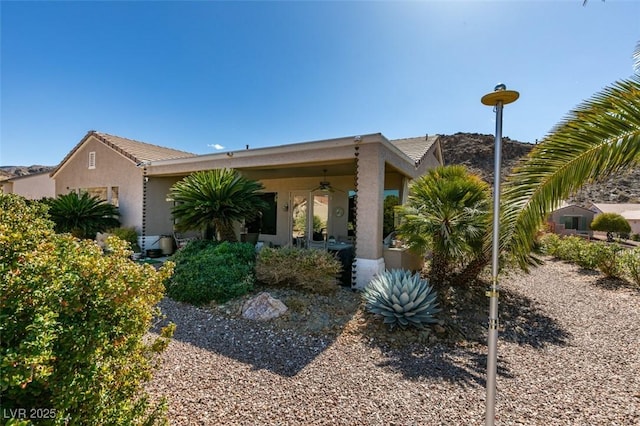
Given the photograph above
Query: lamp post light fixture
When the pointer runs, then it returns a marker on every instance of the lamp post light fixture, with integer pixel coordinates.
(498, 98)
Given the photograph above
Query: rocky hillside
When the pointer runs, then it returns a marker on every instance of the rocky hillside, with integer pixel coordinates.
(476, 152)
(13, 171)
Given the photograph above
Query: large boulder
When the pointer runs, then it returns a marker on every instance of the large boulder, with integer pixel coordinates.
(263, 307)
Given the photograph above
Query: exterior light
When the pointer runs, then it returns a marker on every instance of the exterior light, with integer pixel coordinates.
(498, 98)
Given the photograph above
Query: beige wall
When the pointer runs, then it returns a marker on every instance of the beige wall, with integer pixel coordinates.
(31, 187)
(112, 169)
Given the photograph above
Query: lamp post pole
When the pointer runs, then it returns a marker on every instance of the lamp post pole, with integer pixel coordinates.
(498, 98)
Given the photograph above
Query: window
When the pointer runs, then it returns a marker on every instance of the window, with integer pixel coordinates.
(92, 160)
(267, 223)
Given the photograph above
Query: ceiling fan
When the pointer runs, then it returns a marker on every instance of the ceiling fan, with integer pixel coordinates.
(325, 185)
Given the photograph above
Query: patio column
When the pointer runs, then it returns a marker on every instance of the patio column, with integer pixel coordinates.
(370, 175)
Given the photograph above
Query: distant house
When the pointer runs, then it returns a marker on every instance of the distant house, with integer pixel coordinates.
(347, 178)
(111, 168)
(631, 212)
(32, 187)
(571, 220)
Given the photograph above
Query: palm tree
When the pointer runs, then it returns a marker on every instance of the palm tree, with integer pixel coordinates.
(600, 137)
(213, 200)
(447, 212)
(82, 215)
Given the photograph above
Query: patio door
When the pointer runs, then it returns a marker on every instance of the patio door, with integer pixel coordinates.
(309, 217)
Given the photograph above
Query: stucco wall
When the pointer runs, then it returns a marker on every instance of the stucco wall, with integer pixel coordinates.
(32, 187)
(111, 170)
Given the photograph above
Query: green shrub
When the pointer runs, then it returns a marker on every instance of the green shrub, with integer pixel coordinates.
(207, 271)
(549, 244)
(608, 260)
(309, 270)
(128, 234)
(630, 262)
(401, 298)
(72, 322)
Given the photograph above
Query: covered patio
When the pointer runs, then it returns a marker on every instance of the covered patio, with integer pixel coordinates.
(325, 193)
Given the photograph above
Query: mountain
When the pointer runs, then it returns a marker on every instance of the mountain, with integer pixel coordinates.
(13, 171)
(476, 152)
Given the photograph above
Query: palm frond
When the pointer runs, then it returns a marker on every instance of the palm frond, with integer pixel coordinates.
(600, 137)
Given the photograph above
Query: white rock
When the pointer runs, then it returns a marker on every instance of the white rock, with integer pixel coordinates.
(263, 307)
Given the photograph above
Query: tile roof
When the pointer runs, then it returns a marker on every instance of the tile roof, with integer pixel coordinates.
(136, 151)
(415, 148)
(140, 151)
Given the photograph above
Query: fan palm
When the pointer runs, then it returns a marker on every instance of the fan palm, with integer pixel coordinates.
(447, 213)
(212, 200)
(600, 137)
(82, 215)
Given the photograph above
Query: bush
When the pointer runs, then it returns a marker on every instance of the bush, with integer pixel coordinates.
(310, 270)
(207, 271)
(72, 323)
(630, 261)
(608, 260)
(128, 234)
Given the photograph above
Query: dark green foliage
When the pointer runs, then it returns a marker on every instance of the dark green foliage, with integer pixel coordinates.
(310, 270)
(589, 255)
(82, 215)
(388, 220)
(611, 223)
(213, 200)
(72, 322)
(207, 271)
(401, 299)
(447, 212)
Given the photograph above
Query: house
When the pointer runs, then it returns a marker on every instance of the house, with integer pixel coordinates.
(109, 167)
(32, 187)
(342, 181)
(571, 220)
(631, 212)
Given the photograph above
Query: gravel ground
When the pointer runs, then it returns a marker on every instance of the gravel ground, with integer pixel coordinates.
(568, 355)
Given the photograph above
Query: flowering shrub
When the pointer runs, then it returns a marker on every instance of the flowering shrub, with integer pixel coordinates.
(72, 322)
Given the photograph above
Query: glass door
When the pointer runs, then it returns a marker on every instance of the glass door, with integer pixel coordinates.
(299, 218)
(309, 217)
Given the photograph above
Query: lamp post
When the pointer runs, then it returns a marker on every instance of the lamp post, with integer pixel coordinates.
(498, 98)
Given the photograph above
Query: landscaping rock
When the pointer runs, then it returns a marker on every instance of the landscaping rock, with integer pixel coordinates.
(263, 307)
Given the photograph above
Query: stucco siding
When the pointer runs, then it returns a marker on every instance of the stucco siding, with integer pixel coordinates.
(31, 187)
(111, 170)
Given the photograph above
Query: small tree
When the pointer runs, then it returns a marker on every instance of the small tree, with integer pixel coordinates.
(611, 223)
(447, 212)
(213, 200)
(82, 215)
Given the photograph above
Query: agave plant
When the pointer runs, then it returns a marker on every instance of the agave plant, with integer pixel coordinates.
(402, 299)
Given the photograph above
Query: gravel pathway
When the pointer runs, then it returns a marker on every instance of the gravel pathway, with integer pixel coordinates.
(569, 356)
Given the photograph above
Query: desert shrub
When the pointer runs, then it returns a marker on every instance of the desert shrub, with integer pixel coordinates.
(549, 244)
(630, 264)
(207, 271)
(401, 299)
(128, 234)
(608, 259)
(72, 322)
(309, 270)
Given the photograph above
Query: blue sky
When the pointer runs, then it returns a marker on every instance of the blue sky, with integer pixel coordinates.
(193, 75)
